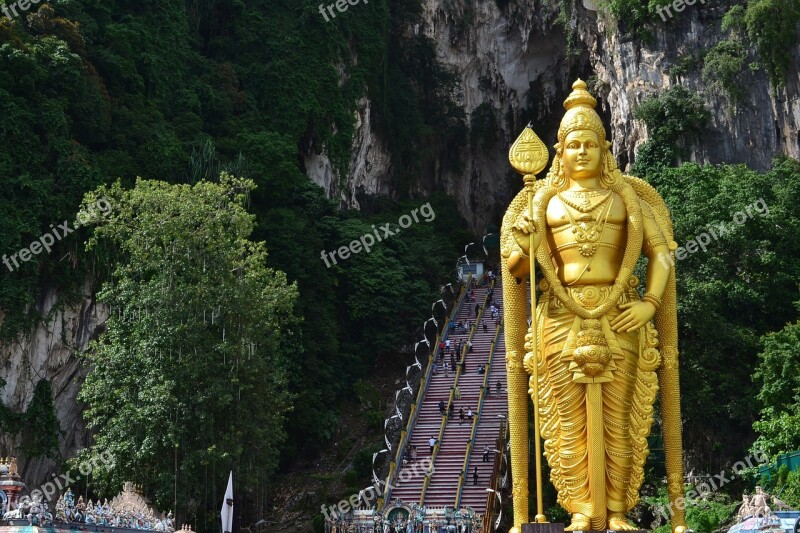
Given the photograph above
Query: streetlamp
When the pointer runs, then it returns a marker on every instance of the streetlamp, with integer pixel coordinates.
(500, 506)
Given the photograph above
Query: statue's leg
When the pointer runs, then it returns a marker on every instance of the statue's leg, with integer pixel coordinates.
(618, 396)
(568, 455)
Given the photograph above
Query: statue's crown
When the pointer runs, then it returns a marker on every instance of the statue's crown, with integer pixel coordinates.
(580, 96)
(581, 114)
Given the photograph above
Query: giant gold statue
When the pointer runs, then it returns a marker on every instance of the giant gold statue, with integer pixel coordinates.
(596, 353)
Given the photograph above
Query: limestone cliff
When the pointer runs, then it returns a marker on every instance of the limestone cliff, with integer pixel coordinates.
(513, 57)
(49, 352)
(763, 125)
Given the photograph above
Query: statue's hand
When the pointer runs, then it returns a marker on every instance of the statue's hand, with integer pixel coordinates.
(636, 315)
(522, 230)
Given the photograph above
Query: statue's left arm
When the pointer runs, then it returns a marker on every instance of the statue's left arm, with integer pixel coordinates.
(666, 322)
(655, 247)
(637, 314)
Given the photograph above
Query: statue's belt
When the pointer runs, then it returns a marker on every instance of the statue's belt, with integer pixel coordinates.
(591, 346)
(589, 296)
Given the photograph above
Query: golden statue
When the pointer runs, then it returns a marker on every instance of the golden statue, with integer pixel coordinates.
(602, 352)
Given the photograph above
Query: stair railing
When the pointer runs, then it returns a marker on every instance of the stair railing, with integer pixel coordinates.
(405, 434)
(445, 418)
(490, 514)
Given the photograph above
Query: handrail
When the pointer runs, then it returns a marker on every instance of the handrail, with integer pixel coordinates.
(491, 498)
(423, 388)
(435, 453)
(476, 420)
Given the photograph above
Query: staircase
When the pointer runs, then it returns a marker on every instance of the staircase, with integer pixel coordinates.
(495, 409)
(450, 455)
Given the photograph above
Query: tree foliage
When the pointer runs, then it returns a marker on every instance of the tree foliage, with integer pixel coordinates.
(37, 430)
(779, 378)
(742, 286)
(89, 94)
(704, 515)
(674, 119)
(772, 27)
(190, 378)
(40, 428)
(722, 65)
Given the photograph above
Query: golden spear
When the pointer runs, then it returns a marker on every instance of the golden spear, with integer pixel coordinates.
(528, 155)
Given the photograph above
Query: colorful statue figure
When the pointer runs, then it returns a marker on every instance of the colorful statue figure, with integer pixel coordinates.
(599, 350)
(745, 511)
(759, 506)
(69, 498)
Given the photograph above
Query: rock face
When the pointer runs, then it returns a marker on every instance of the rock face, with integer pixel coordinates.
(49, 352)
(368, 173)
(763, 125)
(511, 62)
(513, 57)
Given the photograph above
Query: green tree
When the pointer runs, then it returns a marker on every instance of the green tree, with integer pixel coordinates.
(89, 96)
(189, 379)
(674, 118)
(772, 28)
(10, 424)
(779, 379)
(705, 514)
(742, 286)
(41, 428)
(722, 66)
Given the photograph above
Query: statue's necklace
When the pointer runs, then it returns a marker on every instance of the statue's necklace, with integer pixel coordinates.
(633, 248)
(585, 204)
(587, 233)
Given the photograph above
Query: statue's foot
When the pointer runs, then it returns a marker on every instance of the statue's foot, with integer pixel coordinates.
(580, 522)
(618, 522)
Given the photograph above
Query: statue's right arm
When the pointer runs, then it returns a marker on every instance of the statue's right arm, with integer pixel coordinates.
(519, 260)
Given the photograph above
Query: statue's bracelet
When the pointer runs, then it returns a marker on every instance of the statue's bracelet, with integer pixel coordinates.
(652, 299)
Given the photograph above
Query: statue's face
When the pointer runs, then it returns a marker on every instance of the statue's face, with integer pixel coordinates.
(581, 157)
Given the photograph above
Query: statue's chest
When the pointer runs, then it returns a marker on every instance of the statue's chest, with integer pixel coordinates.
(561, 213)
(572, 223)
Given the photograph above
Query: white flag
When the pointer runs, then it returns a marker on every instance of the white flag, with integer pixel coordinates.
(227, 507)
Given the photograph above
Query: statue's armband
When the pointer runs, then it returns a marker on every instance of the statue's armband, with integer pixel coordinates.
(653, 236)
